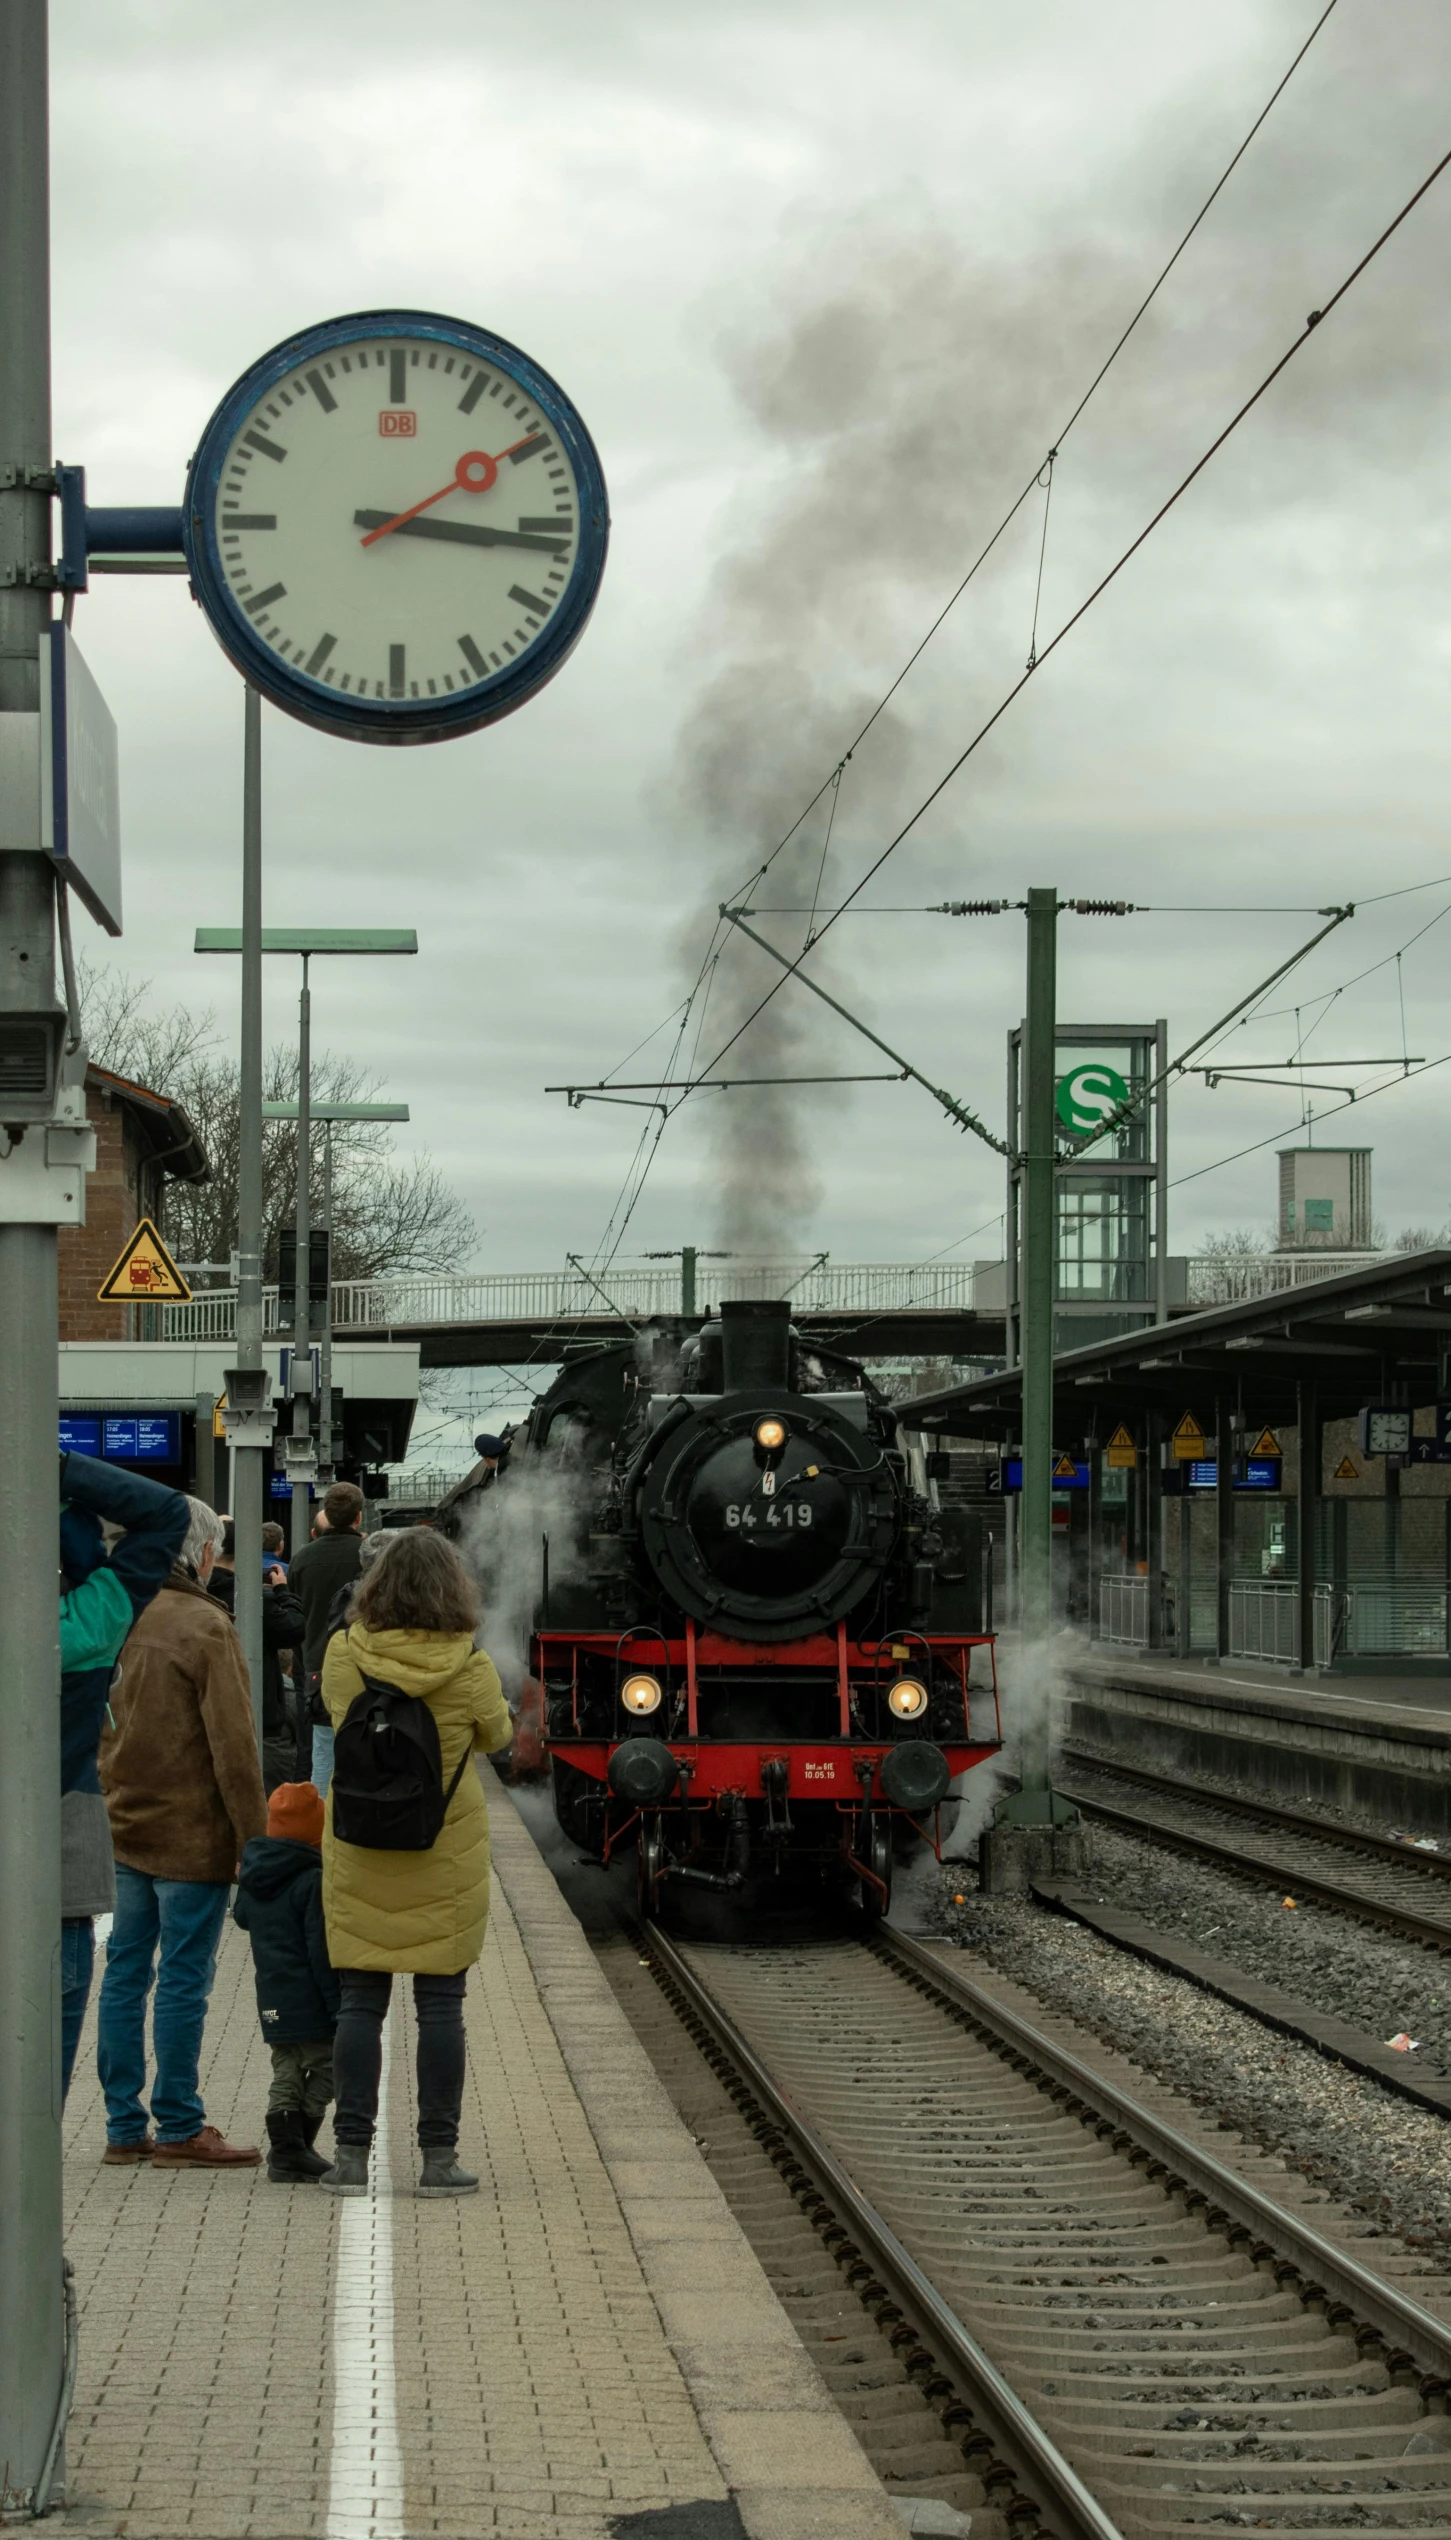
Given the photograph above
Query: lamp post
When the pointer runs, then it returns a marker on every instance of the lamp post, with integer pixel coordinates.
(329, 1114)
(309, 943)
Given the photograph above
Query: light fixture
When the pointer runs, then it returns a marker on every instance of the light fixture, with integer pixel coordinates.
(908, 1698)
(640, 1694)
(770, 1434)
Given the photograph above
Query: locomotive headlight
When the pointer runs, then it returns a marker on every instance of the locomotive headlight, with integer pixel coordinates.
(908, 1698)
(640, 1694)
(770, 1435)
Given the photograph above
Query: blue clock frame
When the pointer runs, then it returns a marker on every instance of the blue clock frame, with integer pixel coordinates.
(382, 719)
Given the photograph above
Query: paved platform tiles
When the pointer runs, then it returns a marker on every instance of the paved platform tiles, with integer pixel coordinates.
(586, 2341)
(1418, 1703)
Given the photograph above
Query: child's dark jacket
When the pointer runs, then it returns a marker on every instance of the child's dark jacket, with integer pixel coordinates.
(279, 1903)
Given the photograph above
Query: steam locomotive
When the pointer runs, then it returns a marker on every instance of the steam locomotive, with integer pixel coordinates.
(754, 1634)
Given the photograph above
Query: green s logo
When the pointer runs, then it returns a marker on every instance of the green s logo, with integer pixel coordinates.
(1087, 1096)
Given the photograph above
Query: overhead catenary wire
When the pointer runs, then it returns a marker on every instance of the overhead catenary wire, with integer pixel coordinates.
(1313, 322)
(1035, 479)
(833, 778)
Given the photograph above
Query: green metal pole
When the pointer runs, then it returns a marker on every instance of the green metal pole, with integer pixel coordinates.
(249, 1462)
(687, 1279)
(302, 1314)
(1036, 1305)
(32, 2332)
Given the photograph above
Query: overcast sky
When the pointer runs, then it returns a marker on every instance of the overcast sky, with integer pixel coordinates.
(825, 281)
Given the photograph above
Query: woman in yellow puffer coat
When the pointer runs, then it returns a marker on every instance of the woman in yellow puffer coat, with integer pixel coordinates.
(417, 1913)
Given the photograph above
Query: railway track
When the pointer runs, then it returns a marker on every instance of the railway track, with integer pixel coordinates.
(1144, 2342)
(1369, 1877)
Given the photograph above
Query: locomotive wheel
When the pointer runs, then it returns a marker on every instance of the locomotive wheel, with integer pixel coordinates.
(872, 1845)
(649, 1861)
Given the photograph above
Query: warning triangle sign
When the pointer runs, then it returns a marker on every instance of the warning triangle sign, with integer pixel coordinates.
(1267, 1446)
(1065, 1470)
(145, 1273)
(1121, 1453)
(1188, 1439)
(1345, 1471)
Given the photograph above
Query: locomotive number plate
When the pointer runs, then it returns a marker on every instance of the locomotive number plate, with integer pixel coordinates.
(742, 1513)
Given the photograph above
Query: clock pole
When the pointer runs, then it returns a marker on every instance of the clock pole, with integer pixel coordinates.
(249, 1461)
(32, 2304)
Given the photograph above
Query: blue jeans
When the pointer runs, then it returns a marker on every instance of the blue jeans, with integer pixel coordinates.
(185, 1917)
(322, 1759)
(77, 1959)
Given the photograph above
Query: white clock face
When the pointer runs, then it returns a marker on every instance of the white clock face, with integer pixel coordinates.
(397, 520)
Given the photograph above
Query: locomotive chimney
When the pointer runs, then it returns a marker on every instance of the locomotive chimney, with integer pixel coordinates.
(756, 1338)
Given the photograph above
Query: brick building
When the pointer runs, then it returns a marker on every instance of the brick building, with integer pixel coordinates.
(143, 1140)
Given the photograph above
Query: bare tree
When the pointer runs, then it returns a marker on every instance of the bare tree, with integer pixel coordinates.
(388, 1216)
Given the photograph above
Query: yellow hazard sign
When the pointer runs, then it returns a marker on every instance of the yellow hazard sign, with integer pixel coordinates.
(1345, 1471)
(1065, 1470)
(1188, 1440)
(1121, 1454)
(145, 1273)
(219, 1426)
(1266, 1446)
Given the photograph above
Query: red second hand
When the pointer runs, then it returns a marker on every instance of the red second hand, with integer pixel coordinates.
(463, 480)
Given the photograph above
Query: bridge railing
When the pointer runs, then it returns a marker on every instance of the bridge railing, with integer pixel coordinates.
(830, 1287)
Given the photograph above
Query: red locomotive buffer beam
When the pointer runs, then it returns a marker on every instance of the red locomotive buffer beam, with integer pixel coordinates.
(825, 1768)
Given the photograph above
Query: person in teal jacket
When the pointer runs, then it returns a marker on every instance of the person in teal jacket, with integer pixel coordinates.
(101, 1595)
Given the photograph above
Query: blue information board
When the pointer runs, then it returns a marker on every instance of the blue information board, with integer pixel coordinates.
(130, 1437)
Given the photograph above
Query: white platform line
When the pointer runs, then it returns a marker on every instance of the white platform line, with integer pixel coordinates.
(365, 2493)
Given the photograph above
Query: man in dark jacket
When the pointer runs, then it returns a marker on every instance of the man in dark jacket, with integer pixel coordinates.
(328, 1562)
(279, 1902)
(101, 1596)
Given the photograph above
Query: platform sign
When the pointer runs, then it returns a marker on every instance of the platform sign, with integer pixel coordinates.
(1088, 1095)
(1121, 1455)
(144, 1274)
(1267, 1444)
(1346, 1471)
(80, 785)
(1246, 1473)
(1188, 1441)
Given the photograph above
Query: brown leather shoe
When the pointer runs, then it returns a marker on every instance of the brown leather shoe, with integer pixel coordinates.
(205, 2151)
(116, 2155)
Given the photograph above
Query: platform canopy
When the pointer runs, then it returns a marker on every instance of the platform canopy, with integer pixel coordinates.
(1378, 1335)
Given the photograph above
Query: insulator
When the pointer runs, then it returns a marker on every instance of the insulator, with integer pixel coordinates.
(971, 908)
(1102, 908)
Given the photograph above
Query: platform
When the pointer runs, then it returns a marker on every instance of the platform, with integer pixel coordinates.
(587, 2347)
(1373, 1745)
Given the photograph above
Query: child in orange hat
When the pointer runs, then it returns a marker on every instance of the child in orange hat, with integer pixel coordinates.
(279, 1904)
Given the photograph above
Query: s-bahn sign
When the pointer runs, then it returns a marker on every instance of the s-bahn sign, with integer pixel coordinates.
(1088, 1095)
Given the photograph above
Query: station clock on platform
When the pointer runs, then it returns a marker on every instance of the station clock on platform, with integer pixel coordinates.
(397, 526)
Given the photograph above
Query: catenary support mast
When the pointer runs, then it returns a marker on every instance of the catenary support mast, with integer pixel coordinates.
(32, 2314)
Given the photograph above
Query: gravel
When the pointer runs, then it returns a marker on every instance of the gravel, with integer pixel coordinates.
(1388, 2160)
(1349, 1970)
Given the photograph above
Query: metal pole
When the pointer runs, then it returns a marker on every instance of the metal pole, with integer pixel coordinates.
(1160, 1127)
(248, 1462)
(302, 1315)
(325, 1347)
(32, 2337)
(687, 1279)
(1154, 1527)
(1223, 1518)
(1037, 1290)
(1307, 1415)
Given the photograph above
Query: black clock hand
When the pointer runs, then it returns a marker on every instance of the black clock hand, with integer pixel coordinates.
(466, 533)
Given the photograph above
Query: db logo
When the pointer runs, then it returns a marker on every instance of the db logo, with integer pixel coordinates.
(397, 423)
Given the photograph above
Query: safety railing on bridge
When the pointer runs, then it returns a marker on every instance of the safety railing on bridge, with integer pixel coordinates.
(564, 1296)
(1218, 1282)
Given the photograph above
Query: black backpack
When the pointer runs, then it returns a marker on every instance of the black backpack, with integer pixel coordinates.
(387, 1786)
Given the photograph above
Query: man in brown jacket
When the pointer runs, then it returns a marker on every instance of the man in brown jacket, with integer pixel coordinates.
(183, 1791)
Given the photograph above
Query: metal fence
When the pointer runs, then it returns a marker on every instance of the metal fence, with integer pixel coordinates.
(563, 1296)
(1123, 1610)
(1210, 1282)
